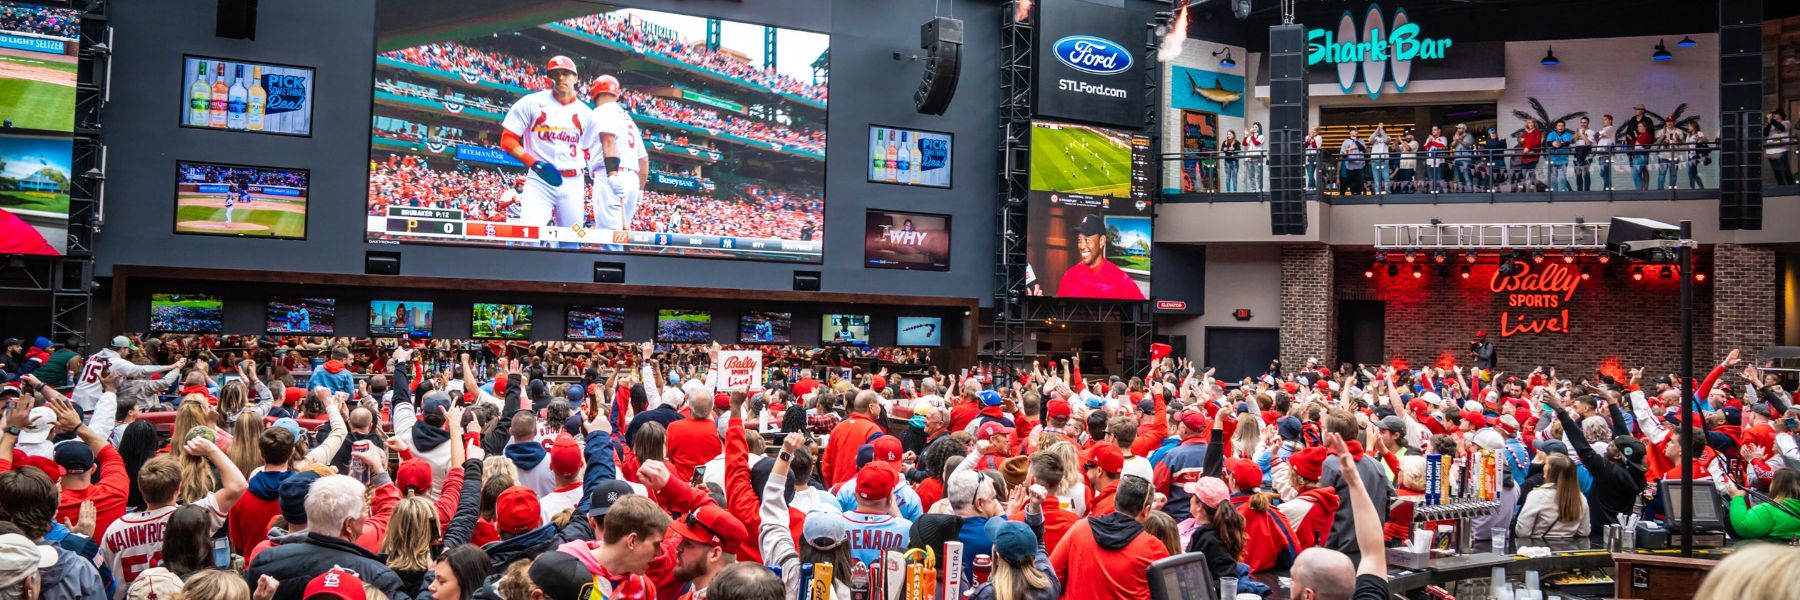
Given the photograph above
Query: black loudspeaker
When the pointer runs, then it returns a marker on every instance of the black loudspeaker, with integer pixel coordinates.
(806, 281)
(237, 19)
(1287, 130)
(609, 272)
(381, 263)
(942, 39)
(1740, 116)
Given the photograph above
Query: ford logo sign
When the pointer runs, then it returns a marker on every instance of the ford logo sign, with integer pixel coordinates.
(1089, 54)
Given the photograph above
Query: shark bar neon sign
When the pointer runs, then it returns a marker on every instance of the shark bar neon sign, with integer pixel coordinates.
(1376, 49)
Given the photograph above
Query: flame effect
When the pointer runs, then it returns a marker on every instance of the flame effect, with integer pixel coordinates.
(1171, 42)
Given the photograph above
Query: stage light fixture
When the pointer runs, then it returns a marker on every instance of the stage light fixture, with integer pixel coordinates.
(1469, 257)
(1411, 256)
(1637, 273)
(1661, 53)
(1605, 258)
(1465, 272)
(1585, 275)
(1698, 276)
(1549, 59)
(1418, 272)
(1440, 256)
(1380, 256)
(1569, 258)
(1668, 272)
(1687, 42)
(1537, 256)
(1393, 270)
(1509, 264)
(1369, 273)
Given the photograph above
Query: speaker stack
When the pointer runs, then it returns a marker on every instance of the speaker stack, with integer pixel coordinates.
(942, 39)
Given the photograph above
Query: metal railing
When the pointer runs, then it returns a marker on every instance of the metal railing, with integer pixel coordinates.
(1491, 236)
(1578, 169)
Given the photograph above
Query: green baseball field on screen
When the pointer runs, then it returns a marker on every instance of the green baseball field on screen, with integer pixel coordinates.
(40, 201)
(44, 101)
(1077, 160)
(267, 216)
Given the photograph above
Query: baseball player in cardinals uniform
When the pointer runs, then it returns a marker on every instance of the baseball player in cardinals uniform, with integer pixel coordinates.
(511, 199)
(548, 130)
(624, 185)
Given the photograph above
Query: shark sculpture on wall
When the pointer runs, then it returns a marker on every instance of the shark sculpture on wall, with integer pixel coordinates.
(1216, 93)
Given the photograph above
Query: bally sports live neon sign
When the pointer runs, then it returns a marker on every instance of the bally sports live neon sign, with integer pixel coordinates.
(1537, 297)
(1376, 50)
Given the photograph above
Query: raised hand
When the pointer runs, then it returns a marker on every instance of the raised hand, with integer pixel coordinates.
(200, 446)
(265, 588)
(68, 418)
(653, 475)
(84, 521)
(1731, 360)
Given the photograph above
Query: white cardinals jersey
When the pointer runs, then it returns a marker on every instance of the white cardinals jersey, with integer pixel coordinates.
(613, 119)
(550, 130)
(134, 543)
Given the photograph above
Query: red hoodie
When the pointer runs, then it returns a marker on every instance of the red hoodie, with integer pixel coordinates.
(1102, 502)
(839, 462)
(1312, 530)
(1057, 521)
(1090, 570)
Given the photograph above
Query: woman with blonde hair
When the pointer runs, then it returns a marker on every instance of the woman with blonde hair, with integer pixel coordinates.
(197, 476)
(194, 411)
(1022, 569)
(1752, 571)
(1072, 487)
(1556, 509)
(249, 427)
(215, 584)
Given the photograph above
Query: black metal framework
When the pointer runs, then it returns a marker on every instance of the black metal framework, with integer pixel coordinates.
(1008, 329)
(69, 279)
(1740, 116)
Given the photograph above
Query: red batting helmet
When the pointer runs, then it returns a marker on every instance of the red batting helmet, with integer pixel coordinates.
(518, 181)
(561, 62)
(606, 84)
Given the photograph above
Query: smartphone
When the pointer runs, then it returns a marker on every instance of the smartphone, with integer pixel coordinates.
(221, 553)
(699, 476)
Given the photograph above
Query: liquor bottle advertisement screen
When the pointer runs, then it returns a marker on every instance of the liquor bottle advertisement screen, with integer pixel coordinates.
(234, 95)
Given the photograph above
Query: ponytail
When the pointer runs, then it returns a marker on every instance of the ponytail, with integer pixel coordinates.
(1262, 502)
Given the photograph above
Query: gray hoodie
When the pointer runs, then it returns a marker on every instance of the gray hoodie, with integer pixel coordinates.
(72, 578)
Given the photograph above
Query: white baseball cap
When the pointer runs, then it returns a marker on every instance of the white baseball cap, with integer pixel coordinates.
(120, 341)
(42, 421)
(21, 558)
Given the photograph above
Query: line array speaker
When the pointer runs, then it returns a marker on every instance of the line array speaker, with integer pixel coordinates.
(942, 39)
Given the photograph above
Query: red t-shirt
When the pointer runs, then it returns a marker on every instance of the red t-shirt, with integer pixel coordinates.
(692, 442)
(1106, 280)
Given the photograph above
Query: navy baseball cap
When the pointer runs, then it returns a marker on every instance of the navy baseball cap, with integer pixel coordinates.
(1092, 224)
(1013, 541)
(74, 456)
(293, 496)
(1289, 427)
(605, 494)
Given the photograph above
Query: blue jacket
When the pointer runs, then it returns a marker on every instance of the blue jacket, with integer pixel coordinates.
(1184, 464)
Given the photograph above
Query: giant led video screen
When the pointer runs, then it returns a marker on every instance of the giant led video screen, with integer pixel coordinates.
(1089, 213)
(38, 51)
(658, 143)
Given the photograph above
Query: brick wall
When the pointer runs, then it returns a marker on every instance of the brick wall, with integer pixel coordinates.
(1614, 321)
(1746, 300)
(1308, 315)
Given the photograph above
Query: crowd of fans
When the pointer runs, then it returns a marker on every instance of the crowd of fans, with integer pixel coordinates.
(456, 470)
(754, 211)
(493, 66)
(207, 173)
(31, 18)
(627, 31)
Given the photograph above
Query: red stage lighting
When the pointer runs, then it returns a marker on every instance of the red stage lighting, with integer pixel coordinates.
(1637, 273)
(1465, 272)
(1701, 277)
(1585, 275)
(1439, 256)
(1569, 258)
(1469, 257)
(1369, 273)
(1605, 258)
(1411, 256)
(1418, 273)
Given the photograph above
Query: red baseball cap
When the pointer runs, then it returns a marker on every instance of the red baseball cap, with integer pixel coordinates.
(721, 401)
(292, 396)
(560, 62)
(991, 429)
(414, 475)
(1195, 420)
(517, 510)
(712, 526)
(1475, 420)
(565, 457)
(888, 449)
(339, 582)
(1106, 456)
(1245, 475)
(876, 480)
(1058, 408)
(878, 383)
(42, 463)
(1309, 462)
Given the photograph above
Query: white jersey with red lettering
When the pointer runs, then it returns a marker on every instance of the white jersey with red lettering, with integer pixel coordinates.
(134, 543)
(555, 133)
(614, 210)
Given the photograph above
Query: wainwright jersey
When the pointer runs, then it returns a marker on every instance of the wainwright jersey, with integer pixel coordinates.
(550, 130)
(134, 543)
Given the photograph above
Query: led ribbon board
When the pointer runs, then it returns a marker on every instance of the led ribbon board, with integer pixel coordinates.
(1375, 49)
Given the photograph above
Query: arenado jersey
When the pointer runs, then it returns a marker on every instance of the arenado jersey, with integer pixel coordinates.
(872, 535)
(550, 130)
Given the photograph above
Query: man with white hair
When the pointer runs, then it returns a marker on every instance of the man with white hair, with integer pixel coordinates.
(335, 517)
(21, 566)
(1321, 573)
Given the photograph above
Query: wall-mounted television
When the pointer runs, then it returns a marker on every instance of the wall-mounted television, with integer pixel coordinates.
(852, 330)
(682, 326)
(393, 318)
(596, 323)
(232, 95)
(306, 316)
(909, 156)
(500, 321)
(758, 327)
(186, 313)
(240, 200)
(906, 240)
(919, 331)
